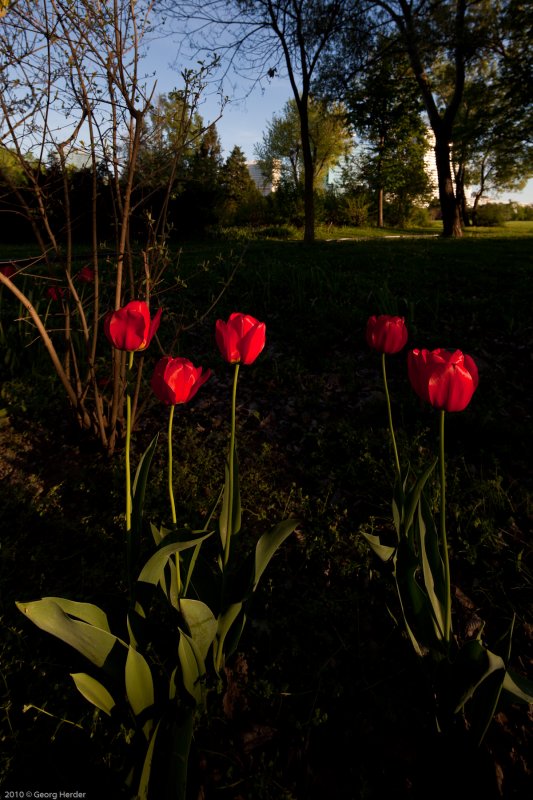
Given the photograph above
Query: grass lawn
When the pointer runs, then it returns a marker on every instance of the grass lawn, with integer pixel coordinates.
(325, 695)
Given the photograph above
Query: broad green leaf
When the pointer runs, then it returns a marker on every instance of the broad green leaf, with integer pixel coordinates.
(87, 612)
(192, 667)
(383, 551)
(201, 623)
(142, 792)
(225, 621)
(269, 543)
(94, 643)
(519, 687)
(93, 691)
(139, 682)
(153, 569)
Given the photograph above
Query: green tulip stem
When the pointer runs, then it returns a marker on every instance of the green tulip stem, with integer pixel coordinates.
(445, 554)
(128, 447)
(170, 489)
(389, 411)
(229, 529)
(171, 496)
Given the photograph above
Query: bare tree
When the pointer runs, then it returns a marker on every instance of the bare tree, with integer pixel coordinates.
(72, 91)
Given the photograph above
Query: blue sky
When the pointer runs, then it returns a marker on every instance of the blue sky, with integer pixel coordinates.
(244, 121)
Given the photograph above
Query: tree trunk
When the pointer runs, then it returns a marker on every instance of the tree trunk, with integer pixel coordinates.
(309, 207)
(381, 223)
(450, 208)
(461, 196)
(309, 173)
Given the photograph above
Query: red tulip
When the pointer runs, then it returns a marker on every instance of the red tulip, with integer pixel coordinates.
(8, 270)
(55, 292)
(130, 328)
(446, 380)
(241, 338)
(86, 274)
(386, 334)
(176, 380)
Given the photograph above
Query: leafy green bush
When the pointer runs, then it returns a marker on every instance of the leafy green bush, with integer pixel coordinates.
(490, 215)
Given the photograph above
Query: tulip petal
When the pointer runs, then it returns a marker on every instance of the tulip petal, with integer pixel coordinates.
(253, 343)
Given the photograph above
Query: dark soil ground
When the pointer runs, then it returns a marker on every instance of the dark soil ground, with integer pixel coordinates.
(325, 696)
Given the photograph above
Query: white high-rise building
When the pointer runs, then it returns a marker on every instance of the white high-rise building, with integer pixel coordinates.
(265, 185)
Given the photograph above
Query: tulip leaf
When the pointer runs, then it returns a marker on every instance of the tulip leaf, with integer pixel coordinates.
(192, 667)
(396, 517)
(138, 493)
(87, 612)
(93, 691)
(142, 791)
(165, 772)
(383, 551)
(224, 523)
(414, 498)
(139, 682)
(225, 622)
(190, 564)
(152, 571)
(416, 608)
(432, 566)
(398, 504)
(158, 533)
(473, 665)
(141, 475)
(179, 739)
(269, 543)
(94, 643)
(520, 688)
(201, 623)
(190, 557)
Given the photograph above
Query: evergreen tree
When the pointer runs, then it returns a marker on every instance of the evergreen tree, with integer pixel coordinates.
(240, 196)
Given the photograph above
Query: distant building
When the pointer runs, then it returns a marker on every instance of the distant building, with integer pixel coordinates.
(79, 158)
(266, 186)
(430, 162)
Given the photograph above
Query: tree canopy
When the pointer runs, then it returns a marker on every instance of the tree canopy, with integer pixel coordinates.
(330, 138)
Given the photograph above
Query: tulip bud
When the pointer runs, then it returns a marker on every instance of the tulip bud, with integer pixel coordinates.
(386, 334)
(176, 380)
(130, 328)
(446, 380)
(241, 338)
